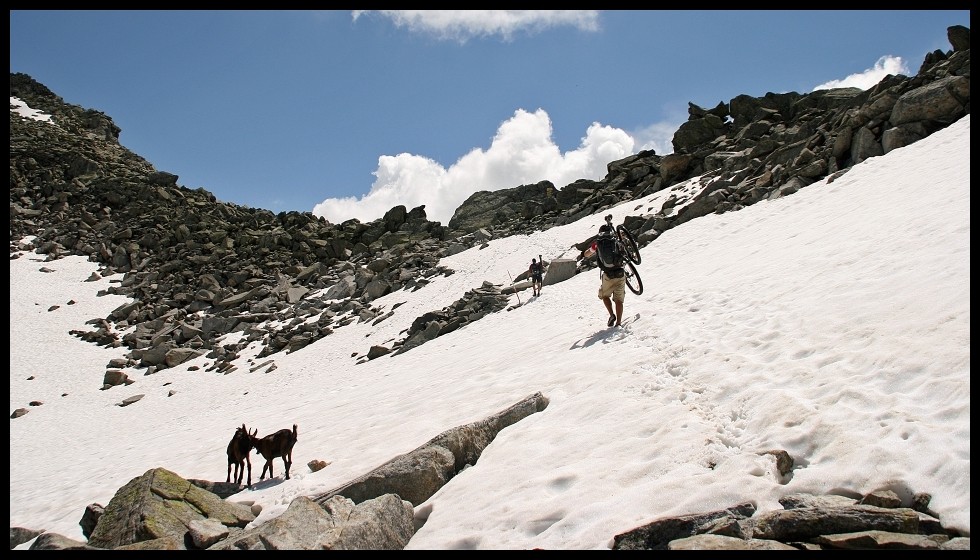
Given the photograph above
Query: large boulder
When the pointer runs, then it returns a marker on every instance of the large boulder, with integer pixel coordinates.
(418, 474)
(161, 504)
(384, 523)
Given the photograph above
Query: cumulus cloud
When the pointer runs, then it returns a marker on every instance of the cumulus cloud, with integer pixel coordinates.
(462, 25)
(521, 152)
(524, 152)
(657, 137)
(869, 78)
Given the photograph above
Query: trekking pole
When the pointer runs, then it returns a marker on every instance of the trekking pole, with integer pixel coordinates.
(541, 262)
(515, 289)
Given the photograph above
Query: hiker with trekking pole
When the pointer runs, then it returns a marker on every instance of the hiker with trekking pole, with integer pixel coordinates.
(537, 275)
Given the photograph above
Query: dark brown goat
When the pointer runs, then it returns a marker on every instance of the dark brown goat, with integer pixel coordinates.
(238, 454)
(279, 444)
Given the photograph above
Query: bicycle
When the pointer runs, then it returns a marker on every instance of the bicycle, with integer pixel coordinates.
(627, 246)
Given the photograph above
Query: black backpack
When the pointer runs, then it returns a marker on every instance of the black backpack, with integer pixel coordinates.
(609, 257)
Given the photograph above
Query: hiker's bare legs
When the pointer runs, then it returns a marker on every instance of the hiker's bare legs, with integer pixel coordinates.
(608, 303)
(619, 313)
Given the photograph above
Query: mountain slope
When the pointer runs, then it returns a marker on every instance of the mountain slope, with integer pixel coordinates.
(833, 324)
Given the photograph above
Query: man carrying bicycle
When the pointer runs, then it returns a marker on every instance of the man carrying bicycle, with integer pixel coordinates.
(612, 276)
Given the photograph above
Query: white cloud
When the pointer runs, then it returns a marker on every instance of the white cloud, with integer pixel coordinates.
(657, 137)
(462, 25)
(522, 152)
(869, 78)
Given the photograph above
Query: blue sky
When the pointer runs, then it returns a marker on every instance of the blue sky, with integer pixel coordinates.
(347, 114)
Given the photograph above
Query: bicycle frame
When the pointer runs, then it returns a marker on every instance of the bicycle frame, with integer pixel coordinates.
(627, 246)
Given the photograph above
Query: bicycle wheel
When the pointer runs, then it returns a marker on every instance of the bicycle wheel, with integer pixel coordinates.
(629, 242)
(633, 281)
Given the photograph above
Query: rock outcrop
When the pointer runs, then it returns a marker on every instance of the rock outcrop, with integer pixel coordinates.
(879, 520)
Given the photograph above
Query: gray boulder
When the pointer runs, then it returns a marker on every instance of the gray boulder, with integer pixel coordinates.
(383, 523)
(418, 474)
(161, 504)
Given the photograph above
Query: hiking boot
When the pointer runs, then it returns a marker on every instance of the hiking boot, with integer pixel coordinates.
(611, 321)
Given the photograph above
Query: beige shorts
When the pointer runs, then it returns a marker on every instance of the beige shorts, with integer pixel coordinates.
(615, 287)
